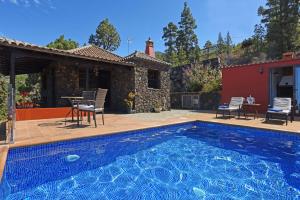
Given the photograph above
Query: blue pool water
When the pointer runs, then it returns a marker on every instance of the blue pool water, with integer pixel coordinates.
(186, 161)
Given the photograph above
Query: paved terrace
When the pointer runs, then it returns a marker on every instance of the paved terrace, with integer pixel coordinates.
(44, 131)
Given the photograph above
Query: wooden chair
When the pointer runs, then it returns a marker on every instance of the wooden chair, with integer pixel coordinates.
(96, 105)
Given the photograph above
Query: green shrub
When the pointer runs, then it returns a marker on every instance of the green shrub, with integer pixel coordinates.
(3, 97)
(203, 79)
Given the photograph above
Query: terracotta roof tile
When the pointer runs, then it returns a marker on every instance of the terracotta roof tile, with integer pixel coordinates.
(144, 56)
(97, 52)
(88, 52)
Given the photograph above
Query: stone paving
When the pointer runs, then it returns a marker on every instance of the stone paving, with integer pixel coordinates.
(44, 131)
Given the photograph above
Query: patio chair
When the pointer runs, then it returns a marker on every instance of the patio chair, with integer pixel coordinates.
(96, 105)
(234, 105)
(281, 108)
(87, 96)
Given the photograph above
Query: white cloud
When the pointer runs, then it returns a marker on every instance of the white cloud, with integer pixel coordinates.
(28, 3)
(36, 1)
(14, 2)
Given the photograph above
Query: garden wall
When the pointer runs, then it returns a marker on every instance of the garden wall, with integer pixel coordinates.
(207, 100)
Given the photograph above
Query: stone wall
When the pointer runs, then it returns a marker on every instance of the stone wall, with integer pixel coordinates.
(66, 82)
(179, 87)
(122, 82)
(178, 78)
(207, 100)
(124, 79)
(147, 98)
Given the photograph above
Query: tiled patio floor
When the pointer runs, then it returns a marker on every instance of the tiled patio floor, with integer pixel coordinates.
(43, 131)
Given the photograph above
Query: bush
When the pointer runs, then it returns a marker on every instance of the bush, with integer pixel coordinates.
(3, 97)
(203, 79)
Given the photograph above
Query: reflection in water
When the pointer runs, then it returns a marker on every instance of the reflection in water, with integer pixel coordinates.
(189, 161)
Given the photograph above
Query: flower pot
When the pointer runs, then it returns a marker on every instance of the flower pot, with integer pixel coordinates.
(157, 110)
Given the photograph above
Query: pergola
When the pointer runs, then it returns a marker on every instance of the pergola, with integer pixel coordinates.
(18, 57)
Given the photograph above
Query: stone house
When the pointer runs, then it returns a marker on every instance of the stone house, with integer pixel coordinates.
(69, 72)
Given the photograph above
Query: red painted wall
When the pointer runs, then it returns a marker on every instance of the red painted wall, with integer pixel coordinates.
(244, 80)
(42, 113)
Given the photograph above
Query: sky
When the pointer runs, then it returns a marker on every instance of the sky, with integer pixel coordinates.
(42, 21)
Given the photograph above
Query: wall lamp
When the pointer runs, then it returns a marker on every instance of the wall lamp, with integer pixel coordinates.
(261, 70)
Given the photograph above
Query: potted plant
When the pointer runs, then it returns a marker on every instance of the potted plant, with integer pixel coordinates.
(129, 101)
(157, 107)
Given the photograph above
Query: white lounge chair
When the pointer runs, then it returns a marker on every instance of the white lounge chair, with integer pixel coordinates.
(234, 105)
(281, 107)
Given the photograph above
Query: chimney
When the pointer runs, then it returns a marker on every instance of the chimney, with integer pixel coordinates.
(150, 48)
(288, 56)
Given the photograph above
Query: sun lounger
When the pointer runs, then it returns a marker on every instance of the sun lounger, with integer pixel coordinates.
(235, 105)
(281, 109)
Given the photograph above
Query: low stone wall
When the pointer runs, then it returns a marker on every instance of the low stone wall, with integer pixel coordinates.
(207, 100)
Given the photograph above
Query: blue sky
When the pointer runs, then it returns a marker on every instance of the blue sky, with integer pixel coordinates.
(42, 21)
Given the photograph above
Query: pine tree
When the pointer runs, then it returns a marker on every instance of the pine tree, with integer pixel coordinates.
(182, 57)
(187, 40)
(281, 18)
(207, 47)
(228, 44)
(258, 37)
(220, 44)
(169, 36)
(106, 36)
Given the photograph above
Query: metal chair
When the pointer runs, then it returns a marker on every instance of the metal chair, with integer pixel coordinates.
(87, 96)
(96, 105)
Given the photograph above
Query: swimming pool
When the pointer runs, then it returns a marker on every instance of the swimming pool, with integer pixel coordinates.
(194, 160)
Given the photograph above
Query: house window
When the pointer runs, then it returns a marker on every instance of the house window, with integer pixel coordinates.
(153, 79)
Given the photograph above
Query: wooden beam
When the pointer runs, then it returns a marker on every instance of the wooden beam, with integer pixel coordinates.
(12, 68)
(87, 78)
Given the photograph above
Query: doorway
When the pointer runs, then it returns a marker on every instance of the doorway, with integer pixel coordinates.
(102, 79)
(281, 83)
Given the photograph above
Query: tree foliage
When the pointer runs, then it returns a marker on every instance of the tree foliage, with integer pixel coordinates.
(207, 47)
(187, 40)
(203, 79)
(281, 18)
(106, 36)
(228, 44)
(220, 44)
(170, 36)
(181, 41)
(3, 97)
(62, 43)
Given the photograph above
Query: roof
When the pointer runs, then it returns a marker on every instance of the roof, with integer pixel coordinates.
(89, 52)
(143, 56)
(297, 59)
(96, 52)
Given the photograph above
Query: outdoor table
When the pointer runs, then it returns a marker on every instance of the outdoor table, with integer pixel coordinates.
(251, 108)
(72, 98)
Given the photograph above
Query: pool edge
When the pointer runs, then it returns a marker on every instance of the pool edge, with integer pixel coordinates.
(3, 157)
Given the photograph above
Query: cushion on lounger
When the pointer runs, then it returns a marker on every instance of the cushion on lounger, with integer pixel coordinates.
(275, 110)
